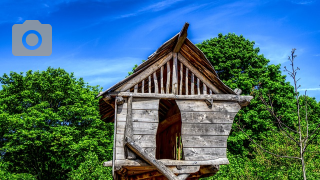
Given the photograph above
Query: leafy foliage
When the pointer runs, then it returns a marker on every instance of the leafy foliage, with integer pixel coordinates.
(48, 120)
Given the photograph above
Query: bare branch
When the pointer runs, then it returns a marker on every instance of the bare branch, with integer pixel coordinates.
(265, 149)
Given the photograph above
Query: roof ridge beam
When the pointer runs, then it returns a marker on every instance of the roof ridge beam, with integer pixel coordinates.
(182, 37)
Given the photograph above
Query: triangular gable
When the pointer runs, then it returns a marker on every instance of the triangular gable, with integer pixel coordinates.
(172, 74)
(191, 58)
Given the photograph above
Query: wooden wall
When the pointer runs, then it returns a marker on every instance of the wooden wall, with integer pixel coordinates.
(205, 130)
(145, 124)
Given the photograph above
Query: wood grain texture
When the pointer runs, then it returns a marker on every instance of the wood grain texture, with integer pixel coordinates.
(204, 141)
(208, 117)
(143, 140)
(151, 160)
(192, 84)
(120, 152)
(161, 79)
(145, 103)
(187, 88)
(168, 78)
(155, 80)
(139, 128)
(198, 86)
(142, 87)
(149, 84)
(170, 162)
(198, 74)
(196, 106)
(181, 78)
(135, 88)
(202, 154)
(206, 129)
(175, 74)
(147, 72)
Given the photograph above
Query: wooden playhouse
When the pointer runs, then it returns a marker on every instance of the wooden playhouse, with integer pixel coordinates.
(172, 116)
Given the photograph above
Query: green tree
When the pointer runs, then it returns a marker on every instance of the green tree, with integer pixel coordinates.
(239, 65)
(49, 120)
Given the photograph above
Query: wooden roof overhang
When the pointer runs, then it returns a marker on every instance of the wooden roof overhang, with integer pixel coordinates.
(188, 54)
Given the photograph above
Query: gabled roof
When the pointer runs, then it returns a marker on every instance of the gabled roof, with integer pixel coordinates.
(182, 45)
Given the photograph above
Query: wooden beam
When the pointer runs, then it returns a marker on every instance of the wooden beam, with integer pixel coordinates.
(147, 72)
(175, 74)
(114, 140)
(129, 128)
(242, 100)
(192, 84)
(182, 37)
(155, 80)
(168, 122)
(135, 88)
(169, 162)
(181, 78)
(168, 78)
(198, 74)
(161, 79)
(142, 87)
(198, 86)
(187, 87)
(149, 84)
(204, 89)
(151, 160)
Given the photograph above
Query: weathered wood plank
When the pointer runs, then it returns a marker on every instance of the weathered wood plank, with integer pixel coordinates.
(119, 153)
(151, 160)
(241, 100)
(182, 37)
(198, 86)
(175, 74)
(181, 78)
(210, 91)
(121, 156)
(129, 129)
(168, 78)
(143, 140)
(169, 162)
(149, 84)
(147, 72)
(206, 129)
(187, 88)
(135, 88)
(155, 80)
(204, 141)
(145, 103)
(204, 89)
(141, 116)
(207, 117)
(142, 87)
(139, 128)
(220, 106)
(161, 79)
(192, 84)
(201, 154)
(198, 74)
(114, 139)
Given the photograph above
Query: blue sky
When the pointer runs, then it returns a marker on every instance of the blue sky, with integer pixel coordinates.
(102, 40)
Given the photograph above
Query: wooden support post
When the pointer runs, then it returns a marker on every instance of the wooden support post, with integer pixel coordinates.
(161, 79)
(175, 74)
(129, 129)
(149, 85)
(168, 78)
(187, 91)
(181, 78)
(114, 140)
(142, 87)
(210, 92)
(150, 159)
(192, 84)
(204, 89)
(198, 86)
(155, 80)
(135, 88)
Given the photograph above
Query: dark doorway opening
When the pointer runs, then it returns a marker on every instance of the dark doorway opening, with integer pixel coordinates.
(169, 142)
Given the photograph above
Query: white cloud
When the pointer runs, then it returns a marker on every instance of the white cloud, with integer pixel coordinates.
(153, 7)
(310, 89)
